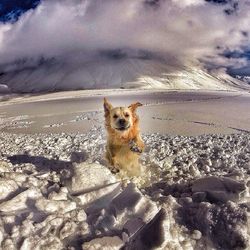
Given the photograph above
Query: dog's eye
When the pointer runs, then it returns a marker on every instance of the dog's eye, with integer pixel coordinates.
(115, 116)
(126, 115)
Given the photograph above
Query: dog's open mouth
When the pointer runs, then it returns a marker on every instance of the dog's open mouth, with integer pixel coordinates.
(123, 128)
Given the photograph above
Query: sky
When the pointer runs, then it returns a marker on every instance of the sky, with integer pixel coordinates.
(214, 34)
(11, 10)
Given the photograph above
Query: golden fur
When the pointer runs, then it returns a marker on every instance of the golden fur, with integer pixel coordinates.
(124, 144)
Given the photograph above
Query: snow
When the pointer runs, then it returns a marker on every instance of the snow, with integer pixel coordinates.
(86, 177)
(126, 73)
(7, 187)
(171, 112)
(104, 243)
(57, 192)
(19, 201)
(219, 188)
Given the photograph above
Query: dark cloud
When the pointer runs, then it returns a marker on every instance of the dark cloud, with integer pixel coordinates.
(231, 6)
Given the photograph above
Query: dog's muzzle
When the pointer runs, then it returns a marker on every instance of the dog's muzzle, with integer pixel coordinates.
(123, 128)
(122, 125)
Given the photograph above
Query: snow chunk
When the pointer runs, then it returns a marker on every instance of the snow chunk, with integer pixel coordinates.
(50, 243)
(162, 231)
(8, 244)
(90, 176)
(27, 244)
(20, 201)
(61, 195)
(4, 167)
(219, 188)
(7, 187)
(104, 243)
(68, 229)
(131, 200)
(1, 236)
(52, 206)
(19, 178)
(108, 192)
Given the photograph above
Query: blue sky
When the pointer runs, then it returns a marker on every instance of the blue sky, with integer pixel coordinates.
(214, 32)
(10, 10)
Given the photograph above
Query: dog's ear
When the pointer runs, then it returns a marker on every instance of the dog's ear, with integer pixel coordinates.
(107, 106)
(134, 106)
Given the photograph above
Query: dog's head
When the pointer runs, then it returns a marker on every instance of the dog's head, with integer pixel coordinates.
(120, 118)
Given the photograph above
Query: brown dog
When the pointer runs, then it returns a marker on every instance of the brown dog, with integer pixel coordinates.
(124, 143)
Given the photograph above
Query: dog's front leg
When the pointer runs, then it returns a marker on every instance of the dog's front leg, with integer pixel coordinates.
(108, 156)
(140, 142)
(112, 160)
(116, 164)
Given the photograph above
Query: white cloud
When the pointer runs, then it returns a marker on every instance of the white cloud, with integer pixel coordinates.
(189, 30)
(59, 26)
(3, 29)
(185, 3)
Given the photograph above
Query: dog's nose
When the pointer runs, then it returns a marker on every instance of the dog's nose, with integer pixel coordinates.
(122, 122)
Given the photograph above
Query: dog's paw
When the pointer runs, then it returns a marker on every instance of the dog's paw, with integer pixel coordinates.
(114, 170)
(134, 147)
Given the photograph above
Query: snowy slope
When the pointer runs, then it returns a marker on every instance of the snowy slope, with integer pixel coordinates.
(113, 71)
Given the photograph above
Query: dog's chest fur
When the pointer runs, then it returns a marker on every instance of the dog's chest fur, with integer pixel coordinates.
(123, 156)
(121, 151)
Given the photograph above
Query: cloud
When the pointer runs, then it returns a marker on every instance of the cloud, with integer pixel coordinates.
(188, 31)
(185, 3)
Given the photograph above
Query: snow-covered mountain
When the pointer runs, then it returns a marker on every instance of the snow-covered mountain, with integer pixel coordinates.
(245, 79)
(113, 69)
